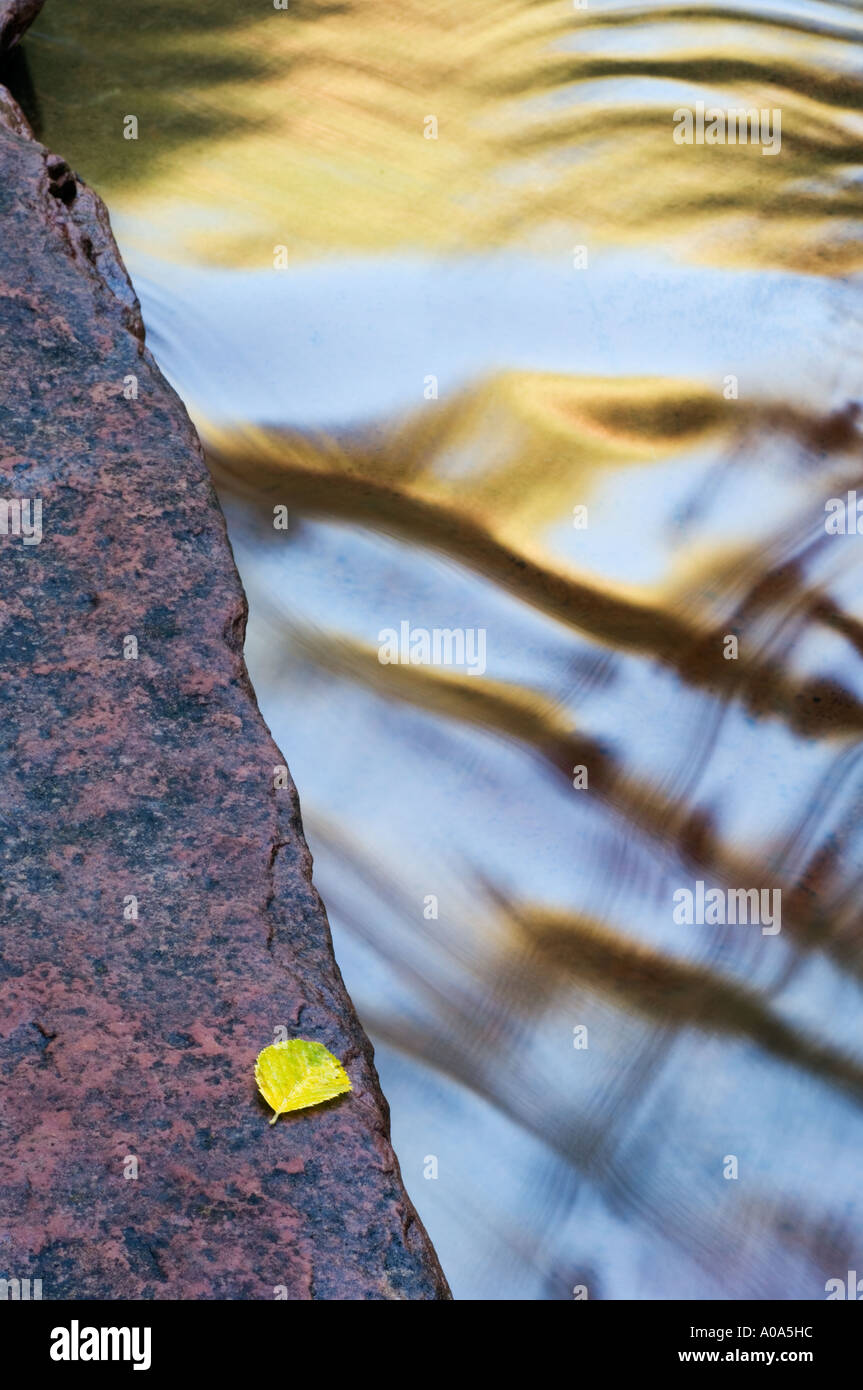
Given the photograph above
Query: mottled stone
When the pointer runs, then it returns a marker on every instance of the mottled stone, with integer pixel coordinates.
(15, 17)
(130, 1041)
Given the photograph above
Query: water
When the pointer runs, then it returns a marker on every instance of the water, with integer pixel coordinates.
(694, 387)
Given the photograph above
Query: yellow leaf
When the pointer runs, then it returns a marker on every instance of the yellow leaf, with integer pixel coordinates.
(294, 1074)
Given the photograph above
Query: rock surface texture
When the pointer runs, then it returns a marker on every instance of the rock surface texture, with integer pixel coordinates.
(136, 1159)
(15, 16)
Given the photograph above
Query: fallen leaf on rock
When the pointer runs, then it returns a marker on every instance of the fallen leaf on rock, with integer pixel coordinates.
(292, 1075)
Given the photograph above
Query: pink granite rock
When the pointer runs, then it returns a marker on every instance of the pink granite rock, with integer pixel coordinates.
(158, 917)
(15, 17)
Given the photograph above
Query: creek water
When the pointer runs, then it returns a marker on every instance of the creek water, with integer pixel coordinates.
(536, 369)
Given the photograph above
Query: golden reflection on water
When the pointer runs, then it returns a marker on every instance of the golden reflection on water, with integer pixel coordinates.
(305, 127)
(484, 908)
